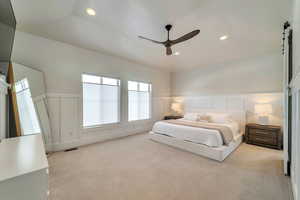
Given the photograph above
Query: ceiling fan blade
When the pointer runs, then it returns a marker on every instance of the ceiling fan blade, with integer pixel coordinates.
(169, 51)
(157, 42)
(186, 37)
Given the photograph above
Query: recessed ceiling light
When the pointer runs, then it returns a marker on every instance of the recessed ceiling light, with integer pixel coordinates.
(177, 53)
(224, 37)
(91, 11)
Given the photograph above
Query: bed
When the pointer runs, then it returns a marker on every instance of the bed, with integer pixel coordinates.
(200, 136)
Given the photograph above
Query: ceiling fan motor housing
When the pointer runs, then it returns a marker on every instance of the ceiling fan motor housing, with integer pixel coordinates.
(168, 27)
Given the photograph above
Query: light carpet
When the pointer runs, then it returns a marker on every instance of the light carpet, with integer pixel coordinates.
(136, 168)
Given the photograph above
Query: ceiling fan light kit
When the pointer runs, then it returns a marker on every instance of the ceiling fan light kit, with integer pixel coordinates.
(169, 43)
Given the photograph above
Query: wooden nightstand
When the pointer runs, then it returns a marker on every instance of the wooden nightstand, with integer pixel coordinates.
(264, 135)
(172, 117)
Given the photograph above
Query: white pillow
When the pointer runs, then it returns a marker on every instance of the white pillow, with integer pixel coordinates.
(203, 117)
(196, 117)
(205, 121)
(191, 116)
(219, 117)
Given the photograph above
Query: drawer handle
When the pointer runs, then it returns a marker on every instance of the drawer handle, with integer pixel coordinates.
(263, 140)
(264, 133)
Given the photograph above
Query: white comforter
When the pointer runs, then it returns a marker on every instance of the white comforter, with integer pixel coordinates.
(208, 137)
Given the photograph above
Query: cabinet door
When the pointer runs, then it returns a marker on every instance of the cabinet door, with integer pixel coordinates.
(18, 188)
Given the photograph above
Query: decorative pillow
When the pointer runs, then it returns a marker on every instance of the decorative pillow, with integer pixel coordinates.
(196, 117)
(219, 117)
(203, 117)
(191, 116)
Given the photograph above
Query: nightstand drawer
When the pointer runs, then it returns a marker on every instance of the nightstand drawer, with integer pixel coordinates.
(262, 139)
(263, 132)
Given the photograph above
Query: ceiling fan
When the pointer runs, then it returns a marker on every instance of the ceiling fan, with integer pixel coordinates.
(169, 43)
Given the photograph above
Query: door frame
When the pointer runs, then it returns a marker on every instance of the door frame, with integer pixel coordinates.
(288, 102)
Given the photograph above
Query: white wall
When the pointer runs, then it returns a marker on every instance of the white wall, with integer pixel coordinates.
(274, 99)
(256, 80)
(295, 163)
(63, 65)
(259, 75)
(296, 37)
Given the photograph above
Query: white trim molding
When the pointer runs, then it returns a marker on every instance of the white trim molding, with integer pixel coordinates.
(3, 85)
(295, 83)
(3, 93)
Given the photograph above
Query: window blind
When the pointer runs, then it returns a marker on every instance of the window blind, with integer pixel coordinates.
(138, 100)
(101, 100)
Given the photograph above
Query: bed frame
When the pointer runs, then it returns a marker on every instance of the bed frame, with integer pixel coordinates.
(214, 153)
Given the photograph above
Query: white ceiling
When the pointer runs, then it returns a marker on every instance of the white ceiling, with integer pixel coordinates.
(253, 26)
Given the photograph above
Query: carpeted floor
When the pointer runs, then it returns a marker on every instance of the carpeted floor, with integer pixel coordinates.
(136, 168)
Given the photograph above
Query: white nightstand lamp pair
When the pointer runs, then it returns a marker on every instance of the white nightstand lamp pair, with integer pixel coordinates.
(263, 111)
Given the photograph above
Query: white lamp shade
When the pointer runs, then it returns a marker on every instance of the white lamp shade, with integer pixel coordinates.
(263, 109)
(176, 107)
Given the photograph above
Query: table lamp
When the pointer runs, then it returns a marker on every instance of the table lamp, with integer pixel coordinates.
(177, 108)
(263, 111)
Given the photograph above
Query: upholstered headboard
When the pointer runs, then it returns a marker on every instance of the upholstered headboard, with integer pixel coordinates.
(234, 105)
(238, 116)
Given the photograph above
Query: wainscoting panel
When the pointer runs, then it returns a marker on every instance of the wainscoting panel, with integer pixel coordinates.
(54, 114)
(236, 102)
(69, 123)
(218, 103)
(65, 111)
(275, 99)
(160, 107)
(195, 103)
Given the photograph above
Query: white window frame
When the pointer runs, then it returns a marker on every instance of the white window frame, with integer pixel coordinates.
(150, 100)
(119, 104)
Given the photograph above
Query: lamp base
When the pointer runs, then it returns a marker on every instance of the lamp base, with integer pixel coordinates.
(263, 120)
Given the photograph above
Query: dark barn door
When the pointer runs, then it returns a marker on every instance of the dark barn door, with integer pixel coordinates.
(290, 104)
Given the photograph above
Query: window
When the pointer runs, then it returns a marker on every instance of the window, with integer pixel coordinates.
(138, 100)
(28, 117)
(101, 100)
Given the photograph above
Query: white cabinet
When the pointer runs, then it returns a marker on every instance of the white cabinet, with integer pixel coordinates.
(23, 169)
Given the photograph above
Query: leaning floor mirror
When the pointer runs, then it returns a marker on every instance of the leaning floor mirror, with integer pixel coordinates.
(30, 93)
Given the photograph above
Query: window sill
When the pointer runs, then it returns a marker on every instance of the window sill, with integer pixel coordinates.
(140, 120)
(102, 126)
